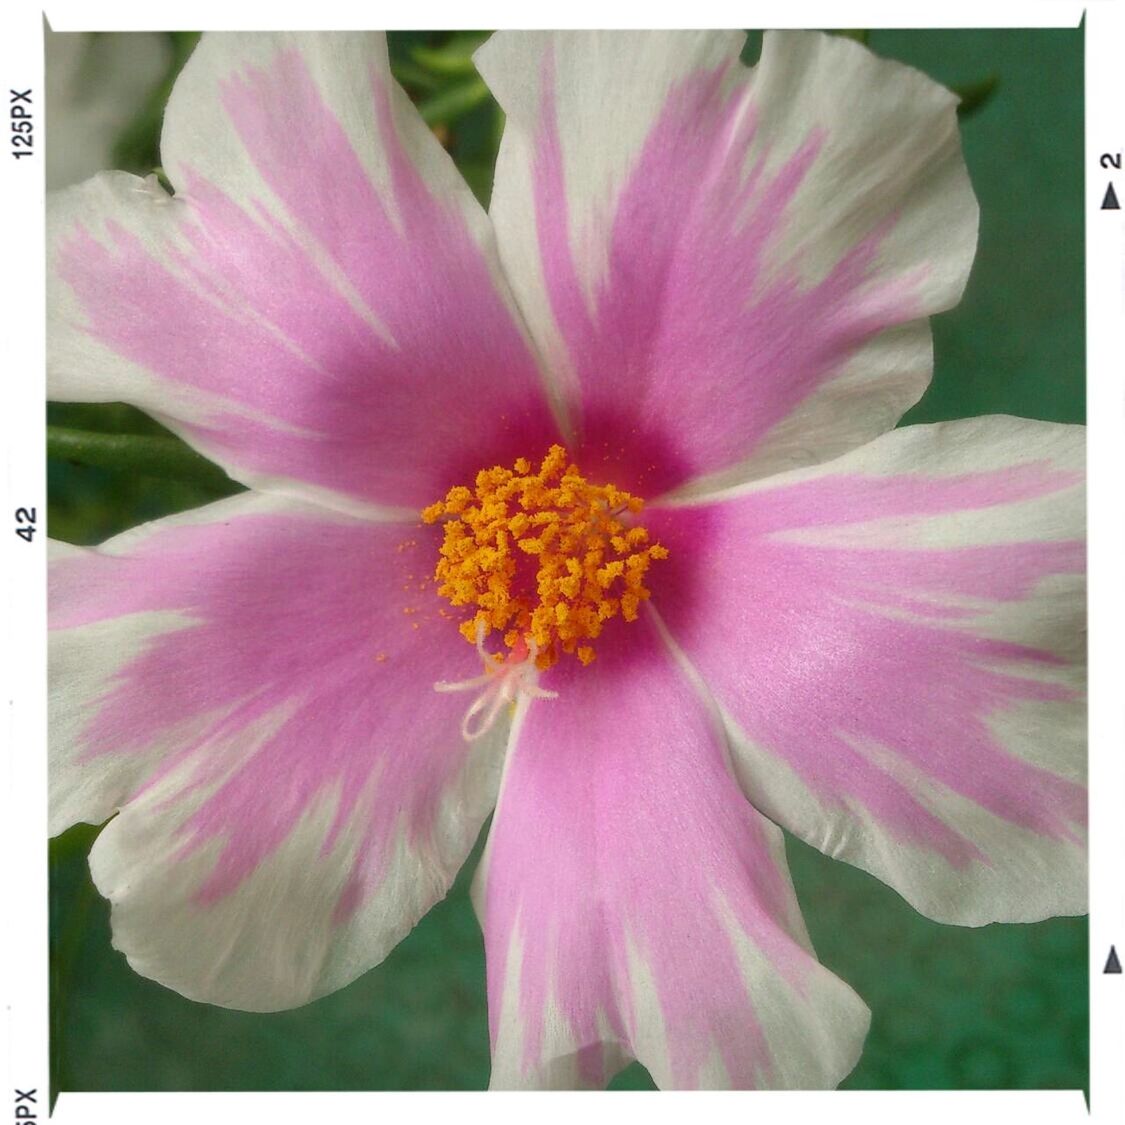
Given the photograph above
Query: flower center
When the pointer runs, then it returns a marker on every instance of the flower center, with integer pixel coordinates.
(545, 557)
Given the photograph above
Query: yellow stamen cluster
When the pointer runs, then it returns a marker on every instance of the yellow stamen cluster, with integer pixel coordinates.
(590, 564)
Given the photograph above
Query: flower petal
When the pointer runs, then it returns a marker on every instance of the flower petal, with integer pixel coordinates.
(320, 306)
(732, 265)
(897, 641)
(634, 905)
(251, 685)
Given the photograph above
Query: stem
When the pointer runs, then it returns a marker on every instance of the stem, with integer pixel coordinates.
(410, 74)
(454, 102)
(453, 58)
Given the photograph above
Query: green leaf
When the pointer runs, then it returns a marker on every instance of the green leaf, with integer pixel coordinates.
(974, 95)
(137, 453)
(76, 840)
(183, 43)
(69, 918)
(499, 120)
(478, 175)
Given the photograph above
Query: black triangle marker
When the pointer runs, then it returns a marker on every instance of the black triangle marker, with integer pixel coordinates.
(1109, 203)
(1112, 965)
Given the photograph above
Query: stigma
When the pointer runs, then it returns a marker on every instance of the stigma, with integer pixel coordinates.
(505, 680)
(543, 557)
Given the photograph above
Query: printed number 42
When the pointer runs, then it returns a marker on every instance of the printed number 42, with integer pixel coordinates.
(25, 523)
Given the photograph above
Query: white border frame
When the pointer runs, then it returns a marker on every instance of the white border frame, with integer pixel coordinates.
(24, 1035)
(23, 1040)
(1105, 386)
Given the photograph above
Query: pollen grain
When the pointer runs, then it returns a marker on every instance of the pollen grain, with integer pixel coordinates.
(542, 555)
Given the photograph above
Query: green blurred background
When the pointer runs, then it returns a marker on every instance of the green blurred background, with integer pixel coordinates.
(997, 1007)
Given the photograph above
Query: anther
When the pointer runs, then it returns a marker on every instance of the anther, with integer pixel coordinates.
(542, 555)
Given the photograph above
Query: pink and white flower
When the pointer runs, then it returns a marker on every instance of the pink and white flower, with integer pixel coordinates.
(711, 285)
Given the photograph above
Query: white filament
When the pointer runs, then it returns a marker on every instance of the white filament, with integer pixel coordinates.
(502, 683)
